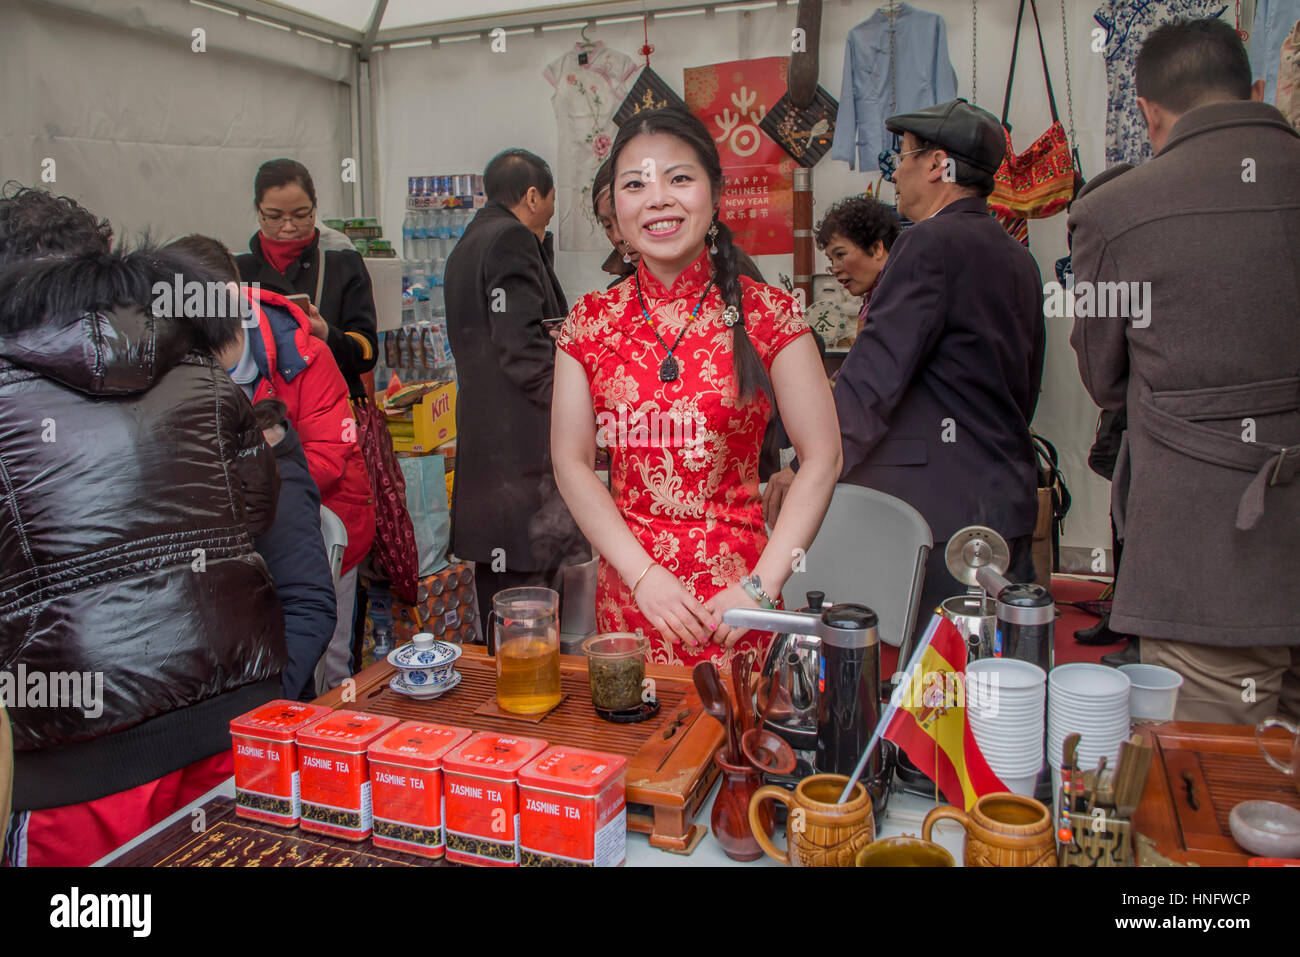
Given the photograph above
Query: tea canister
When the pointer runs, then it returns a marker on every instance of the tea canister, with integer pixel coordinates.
(336, 798)
(572, 810)
(406, 782)
(266, 760)
(481, 784)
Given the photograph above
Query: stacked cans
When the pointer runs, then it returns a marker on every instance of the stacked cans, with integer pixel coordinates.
(446, 606)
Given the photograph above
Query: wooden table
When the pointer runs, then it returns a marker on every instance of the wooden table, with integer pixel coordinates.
(670, 757)
(1224, 767)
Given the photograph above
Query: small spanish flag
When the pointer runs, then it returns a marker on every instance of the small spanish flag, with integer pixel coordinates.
(927, 718)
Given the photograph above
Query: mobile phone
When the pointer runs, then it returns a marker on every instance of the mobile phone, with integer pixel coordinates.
(301, 300)
(552, 324)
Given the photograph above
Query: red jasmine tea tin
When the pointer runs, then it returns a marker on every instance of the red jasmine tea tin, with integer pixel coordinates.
(480, 780)
(572, 811)
(406, 781)
(336, 797)
(266, 760)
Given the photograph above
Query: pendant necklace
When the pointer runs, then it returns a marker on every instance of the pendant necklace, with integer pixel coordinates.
(669, 369)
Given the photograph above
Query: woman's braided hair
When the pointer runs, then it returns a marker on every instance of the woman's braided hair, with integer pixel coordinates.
(751, 377)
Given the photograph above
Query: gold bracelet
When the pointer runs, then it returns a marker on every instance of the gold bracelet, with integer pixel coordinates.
(640, 577)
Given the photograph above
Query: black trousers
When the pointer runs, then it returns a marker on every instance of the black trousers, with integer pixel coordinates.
(487, 583)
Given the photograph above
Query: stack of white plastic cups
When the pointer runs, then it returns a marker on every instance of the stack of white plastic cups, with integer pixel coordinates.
(1093, 701)
(1004, 704)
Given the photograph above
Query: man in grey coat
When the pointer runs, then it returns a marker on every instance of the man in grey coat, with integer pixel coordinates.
(1187, 310)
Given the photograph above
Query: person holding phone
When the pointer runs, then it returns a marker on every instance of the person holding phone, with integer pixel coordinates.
(285, 256)
(280, 359)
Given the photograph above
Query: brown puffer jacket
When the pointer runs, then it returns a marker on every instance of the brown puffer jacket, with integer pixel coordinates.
(132, 479)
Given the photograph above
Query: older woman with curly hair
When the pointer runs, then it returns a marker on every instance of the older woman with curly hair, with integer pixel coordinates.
(856, 235)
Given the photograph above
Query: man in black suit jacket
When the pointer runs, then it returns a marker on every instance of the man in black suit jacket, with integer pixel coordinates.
(506, 513)
(937, 393)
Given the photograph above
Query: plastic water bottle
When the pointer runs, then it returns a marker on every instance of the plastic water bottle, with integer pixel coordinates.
(438, 295)
(408, 235)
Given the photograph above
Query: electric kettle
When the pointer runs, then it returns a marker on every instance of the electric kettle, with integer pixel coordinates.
(848, 648)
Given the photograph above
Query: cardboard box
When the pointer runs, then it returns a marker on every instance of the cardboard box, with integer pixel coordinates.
(428, 424)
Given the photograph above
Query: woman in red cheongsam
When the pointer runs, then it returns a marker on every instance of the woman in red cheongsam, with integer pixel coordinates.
(675, 370)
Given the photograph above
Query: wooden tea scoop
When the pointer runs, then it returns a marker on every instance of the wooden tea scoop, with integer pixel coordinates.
(768, 752)
(717, 702)
(1091, 801)
(778, 704)
(1142, 755)
(774, 691)
(741, 667)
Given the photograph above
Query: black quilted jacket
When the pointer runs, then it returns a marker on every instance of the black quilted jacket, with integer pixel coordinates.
(132, 478)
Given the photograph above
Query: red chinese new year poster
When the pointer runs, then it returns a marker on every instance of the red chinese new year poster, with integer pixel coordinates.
(757, 196)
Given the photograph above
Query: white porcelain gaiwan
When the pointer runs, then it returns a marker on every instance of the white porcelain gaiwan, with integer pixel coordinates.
(426, 662)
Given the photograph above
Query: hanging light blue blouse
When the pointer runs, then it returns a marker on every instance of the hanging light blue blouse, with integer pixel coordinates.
(924, 77)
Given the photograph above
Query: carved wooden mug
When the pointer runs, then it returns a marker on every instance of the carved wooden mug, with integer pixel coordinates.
(819, 832)
(1002, 830)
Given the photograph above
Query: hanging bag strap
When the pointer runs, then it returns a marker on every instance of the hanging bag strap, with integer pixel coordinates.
(1042, 52)
(320, 280)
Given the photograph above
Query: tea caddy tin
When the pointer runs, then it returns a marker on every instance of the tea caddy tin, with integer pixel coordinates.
(265, 750)
(572, 809)
(480, 780)
(336, 796)
(406, 782)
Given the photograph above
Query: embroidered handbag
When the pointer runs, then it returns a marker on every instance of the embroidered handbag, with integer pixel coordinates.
(1039, 182)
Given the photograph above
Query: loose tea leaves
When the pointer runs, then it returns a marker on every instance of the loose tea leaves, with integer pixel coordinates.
(263, 802)
(328, 815)
(533, 859)
(430, 837)
(482, 847)
(616, 682)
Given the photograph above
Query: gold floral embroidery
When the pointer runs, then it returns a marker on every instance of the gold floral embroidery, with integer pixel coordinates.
(692, 504)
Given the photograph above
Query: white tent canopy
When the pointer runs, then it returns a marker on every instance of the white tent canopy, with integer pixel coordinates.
(157, 113)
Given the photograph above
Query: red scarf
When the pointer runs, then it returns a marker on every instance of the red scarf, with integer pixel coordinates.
(281, 252)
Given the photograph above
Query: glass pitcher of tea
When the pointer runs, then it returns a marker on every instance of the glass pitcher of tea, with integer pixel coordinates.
(526, 632)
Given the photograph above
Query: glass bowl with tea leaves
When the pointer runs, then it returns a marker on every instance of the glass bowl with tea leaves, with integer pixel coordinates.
(616, 671)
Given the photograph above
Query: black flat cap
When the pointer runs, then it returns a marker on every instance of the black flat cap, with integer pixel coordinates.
(965, 131)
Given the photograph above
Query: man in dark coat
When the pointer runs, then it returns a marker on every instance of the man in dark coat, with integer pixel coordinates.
(1205, 235)
(936, 395)
(506, 513)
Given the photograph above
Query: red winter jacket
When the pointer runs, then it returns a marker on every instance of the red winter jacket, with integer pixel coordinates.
(299, 370)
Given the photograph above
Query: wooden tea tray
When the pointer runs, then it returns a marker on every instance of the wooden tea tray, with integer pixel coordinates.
(1226, 768)
(670, 757)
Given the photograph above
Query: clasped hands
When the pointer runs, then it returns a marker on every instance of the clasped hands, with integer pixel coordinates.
(682, 618)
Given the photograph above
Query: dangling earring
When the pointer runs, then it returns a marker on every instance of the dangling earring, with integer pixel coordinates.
(713, 238)
(627, 258)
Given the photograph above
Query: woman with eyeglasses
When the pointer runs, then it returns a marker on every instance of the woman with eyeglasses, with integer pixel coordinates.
(286, 257)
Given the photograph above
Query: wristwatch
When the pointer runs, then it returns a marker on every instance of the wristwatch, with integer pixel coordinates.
(754, 589)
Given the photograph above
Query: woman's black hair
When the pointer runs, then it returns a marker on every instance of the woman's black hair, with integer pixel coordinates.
(35, 223)
(751, 377)
(282, 172)
(861, 220)
(603, 182)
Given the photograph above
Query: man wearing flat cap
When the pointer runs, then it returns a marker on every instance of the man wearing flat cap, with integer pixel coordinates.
(936, 396)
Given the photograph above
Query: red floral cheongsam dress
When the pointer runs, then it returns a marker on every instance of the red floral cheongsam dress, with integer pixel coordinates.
(683, 454)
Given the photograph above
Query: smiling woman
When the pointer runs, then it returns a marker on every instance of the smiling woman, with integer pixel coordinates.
(680, 531)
